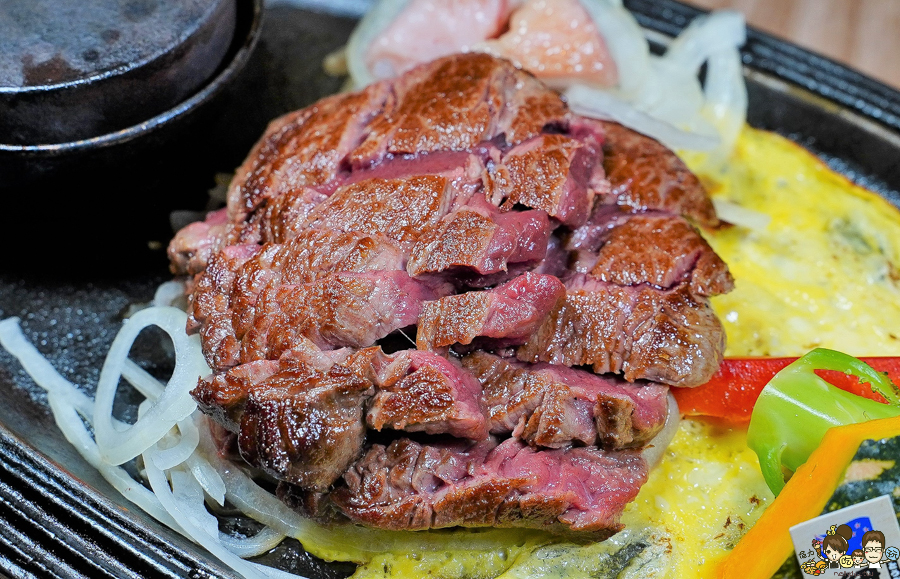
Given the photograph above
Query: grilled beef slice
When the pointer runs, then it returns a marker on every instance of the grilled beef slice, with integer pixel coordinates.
(508, 313)
(642, 332)
(407, 485)
(653, 248)
(554, 406)
(643, 174)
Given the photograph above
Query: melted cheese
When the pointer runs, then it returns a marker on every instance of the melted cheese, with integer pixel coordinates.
(819, 270)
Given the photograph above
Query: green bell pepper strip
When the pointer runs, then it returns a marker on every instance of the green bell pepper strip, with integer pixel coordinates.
(797, 407)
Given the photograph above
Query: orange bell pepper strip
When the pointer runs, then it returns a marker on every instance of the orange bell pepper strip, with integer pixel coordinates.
(762, 551)
(732, 391)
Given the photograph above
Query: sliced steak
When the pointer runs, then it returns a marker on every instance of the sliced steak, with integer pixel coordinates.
(194, 246)
(345, 309)
(399, 208)
(645, 333)
(224, 395)
(556, 262)
(314, 254)
(653, 248)
(282, 218)
(305, 426)
(435, 396)
(553, 172)
(369, 213)
(578, 491)
(644, 174)
(455, 103)
(481, 245)
(303, 148)
(554, 406)
(509, 313)
(223, 305)
(210, 306)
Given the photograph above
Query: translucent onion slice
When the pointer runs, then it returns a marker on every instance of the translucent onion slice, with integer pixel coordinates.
(598, 104)
(185, 443)
(625, 41)
(118, 445)
(168, 292)
(741, 216)
(654, 452)
(716, 32)
(67, 403)
(142, 380)
(184, 502)
(262, 542)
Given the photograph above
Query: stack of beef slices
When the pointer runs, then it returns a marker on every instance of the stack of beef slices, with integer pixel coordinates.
(464, 204)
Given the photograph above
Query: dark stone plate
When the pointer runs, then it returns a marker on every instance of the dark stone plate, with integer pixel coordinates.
(82, 264)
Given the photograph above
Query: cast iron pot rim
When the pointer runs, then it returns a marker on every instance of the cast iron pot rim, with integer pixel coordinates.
(116, 70)
(204, 94)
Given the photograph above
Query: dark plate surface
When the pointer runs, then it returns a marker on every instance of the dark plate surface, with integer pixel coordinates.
(62, 519)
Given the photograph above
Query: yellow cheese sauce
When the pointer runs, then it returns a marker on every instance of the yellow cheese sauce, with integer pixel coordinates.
(816, 267)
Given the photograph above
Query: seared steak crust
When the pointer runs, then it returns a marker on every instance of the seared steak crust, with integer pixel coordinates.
(651, 248)
(406, 485)
(642, 332)
(464, 202)
(552, 406)
(644, 175)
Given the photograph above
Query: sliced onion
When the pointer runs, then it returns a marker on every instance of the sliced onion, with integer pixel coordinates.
(67, 403)
(598, 104)
(183, 448)
(184, 502)
(41, 371)
(208, 478)
(705, 36)
(168, 293)
(741, 216)
(262, 542)
(623, 37)
(142, 380)
(726, 96)
(654, 452)
(118, 445)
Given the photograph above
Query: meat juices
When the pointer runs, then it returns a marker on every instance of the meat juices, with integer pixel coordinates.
(461, 201)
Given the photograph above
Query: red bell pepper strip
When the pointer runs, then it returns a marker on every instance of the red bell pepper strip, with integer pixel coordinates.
(732, 391)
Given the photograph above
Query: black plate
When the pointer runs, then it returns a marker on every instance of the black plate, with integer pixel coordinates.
(62, 519)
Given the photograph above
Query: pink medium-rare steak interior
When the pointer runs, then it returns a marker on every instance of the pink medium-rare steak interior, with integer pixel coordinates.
(462, 210)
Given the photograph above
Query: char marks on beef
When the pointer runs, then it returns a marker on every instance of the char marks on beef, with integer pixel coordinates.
(643, 332)
(553, 406)
(464, 202)
(305, 426)
(407, 485)
(648, 248)
(435, 396)
(644, 174)
(556, 173)
(508, 313)
(481, 246)
(304, 148)
(344, 309)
